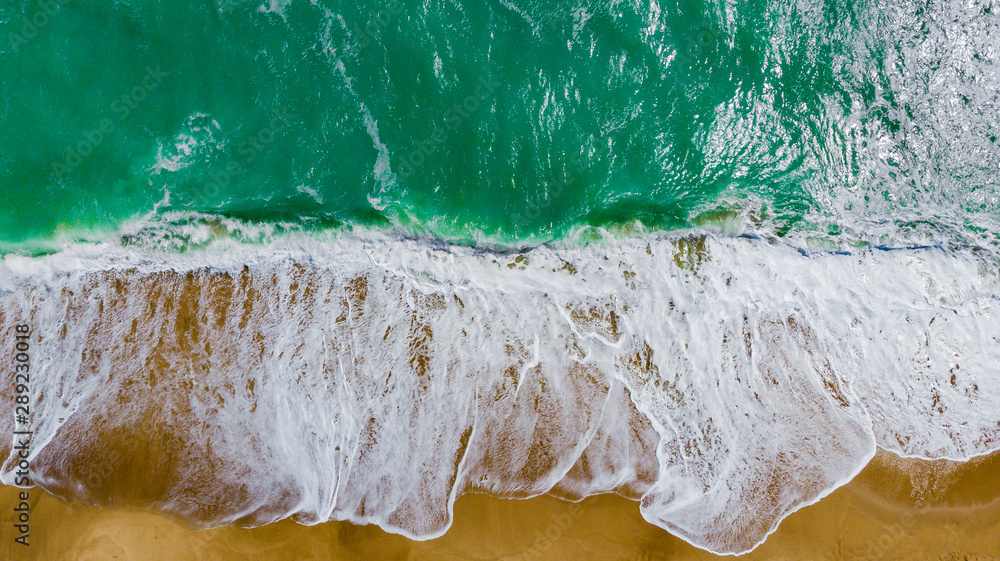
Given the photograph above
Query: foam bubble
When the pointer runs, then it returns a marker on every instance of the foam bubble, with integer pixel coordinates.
(723, 381)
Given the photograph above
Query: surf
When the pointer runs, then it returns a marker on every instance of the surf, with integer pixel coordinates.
(721, 381)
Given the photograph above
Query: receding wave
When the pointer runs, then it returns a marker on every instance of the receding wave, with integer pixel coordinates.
(722, 381)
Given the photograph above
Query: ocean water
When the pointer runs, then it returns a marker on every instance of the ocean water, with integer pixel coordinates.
(337, 260)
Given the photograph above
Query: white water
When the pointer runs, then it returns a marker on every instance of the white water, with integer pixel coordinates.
(374, 378)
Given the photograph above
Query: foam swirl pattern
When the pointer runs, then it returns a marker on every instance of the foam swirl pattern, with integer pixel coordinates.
(722, 381)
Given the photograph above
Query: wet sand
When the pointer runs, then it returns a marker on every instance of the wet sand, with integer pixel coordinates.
(895, 509)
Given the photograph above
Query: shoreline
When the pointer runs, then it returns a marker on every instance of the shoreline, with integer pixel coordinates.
(229, 352)
(176, 233)
(896, 508)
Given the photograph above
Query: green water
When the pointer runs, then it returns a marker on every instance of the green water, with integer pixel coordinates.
(506, 120)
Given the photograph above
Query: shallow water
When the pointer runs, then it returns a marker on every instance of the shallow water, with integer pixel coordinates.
(321, 261)
(723, 381)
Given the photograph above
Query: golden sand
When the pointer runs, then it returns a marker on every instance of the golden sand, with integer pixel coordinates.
(895, 509)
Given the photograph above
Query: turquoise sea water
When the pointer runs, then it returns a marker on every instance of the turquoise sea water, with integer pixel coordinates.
(508, 121)
(794, 210)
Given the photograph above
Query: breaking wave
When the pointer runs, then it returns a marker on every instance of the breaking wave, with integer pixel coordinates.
(723, 381)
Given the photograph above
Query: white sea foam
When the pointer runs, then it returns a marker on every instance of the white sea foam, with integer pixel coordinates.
(275, 7)
(195, 137)
(726, 380)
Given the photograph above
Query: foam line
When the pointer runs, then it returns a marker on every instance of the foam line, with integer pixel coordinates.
(722, 381)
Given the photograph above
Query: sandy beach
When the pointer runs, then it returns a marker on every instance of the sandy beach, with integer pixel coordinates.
(895, 509)
(388, 280)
